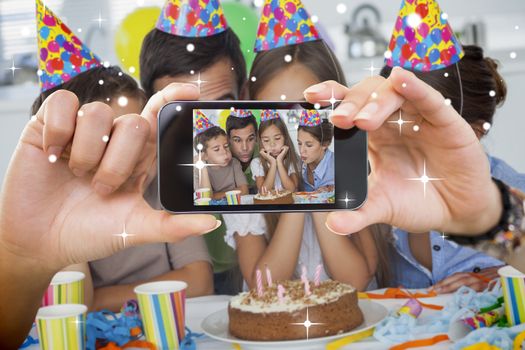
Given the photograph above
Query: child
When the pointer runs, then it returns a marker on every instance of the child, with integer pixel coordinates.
(108, 287)
(277, 164)
(314, 136)
(223, 173)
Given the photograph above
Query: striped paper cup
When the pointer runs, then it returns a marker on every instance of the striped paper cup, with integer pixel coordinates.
(233, 197)
(66, 287)
(62, 327)
(203, 193)
(513, 284)
(162, 307)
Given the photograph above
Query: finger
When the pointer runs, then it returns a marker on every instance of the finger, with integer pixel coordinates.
(129, 135)
(147, 225)
(451, 279)
(92, 133)
(59, 114)
(172, 92)
(452, 287)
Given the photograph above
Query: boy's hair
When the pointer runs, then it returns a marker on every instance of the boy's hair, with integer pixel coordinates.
(164, 54)
(88, 89)
(322, 133)
(206, 136)
(235, 123)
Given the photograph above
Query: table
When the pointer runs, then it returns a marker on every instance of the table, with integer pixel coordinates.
(198, 308)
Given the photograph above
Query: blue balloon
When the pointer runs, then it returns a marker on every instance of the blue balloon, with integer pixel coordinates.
(44, 32)
(64, 56)
(292, 40)
(434, 55)
(272, 22)
(68, 68)
(302, 13)
(435, 35)
(85, 54)
(291, 25)
(305, 29)
(205, 16)
(401, 41)
(215, 4)
(215, 20)
(421, 50)
(60, 39)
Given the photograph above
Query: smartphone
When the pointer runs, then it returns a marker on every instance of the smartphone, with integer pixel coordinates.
(258, 156)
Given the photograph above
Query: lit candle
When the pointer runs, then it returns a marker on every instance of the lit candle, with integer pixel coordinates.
(258, 275)
(317, 278)
(280, 293)
(268, 276)
(304, 279)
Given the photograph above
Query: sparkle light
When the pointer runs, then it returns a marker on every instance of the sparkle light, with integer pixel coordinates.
(314, 19)
(254, 79)
(33, 118)
(317, 106)
(199, 82)
(101, 82)
(400, 122)
(122, 101)
(283, 97)
(124, 235)
(415, 128)
(374, 95)
(307, 324)
(444, 16)
(190, 47)
(424, 178)
(13, 68)
(443, 236)
(258, 3)
(346, 200)
(80, 113)
(492, 93)
(448, 102)
(413, 20)
(52, 158)
(486, 126)
(105, 138)
(513, 55)
(404, 85)
(199, 164)
(287, 58)
(372, 69)
(332, 101)
(178, 108)
(388, 54)
(446, 75)
(99, 20)
(132, 69)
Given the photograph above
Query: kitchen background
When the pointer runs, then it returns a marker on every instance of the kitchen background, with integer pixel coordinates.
(357, 30)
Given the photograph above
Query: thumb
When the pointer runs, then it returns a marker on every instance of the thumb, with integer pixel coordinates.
(147, 225)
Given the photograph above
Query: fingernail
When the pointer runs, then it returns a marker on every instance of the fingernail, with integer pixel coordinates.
(78, 172)
(367, 111)
(334, 231)
(54, 152)
(315, 89)
(217, 225)
(103, 188)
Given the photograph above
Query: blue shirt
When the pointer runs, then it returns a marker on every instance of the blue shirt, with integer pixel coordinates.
(323, 173)
(447, 257)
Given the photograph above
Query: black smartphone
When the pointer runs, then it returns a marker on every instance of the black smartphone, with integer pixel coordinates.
(258, 156)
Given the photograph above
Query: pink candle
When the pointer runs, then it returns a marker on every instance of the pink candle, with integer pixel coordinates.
(317, 278)
(268, 276)
(280, 293)
(258, 276)
(304, 279)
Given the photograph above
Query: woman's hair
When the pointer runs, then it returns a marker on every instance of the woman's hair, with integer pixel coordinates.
(291, 157)
(322, 133)
(314, 55)
(478, 79)
(88, 89)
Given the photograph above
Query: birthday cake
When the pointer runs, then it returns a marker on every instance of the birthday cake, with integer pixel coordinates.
(273, 197)
(331, 307)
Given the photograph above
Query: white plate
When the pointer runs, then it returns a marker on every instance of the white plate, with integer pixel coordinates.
(216, 326)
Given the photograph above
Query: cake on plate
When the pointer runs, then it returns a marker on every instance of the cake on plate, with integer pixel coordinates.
(273, 197)
(331, 307)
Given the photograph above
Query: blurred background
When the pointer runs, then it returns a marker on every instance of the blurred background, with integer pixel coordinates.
(357, 30)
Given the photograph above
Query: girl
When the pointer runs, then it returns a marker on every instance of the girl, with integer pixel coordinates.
(277, 164)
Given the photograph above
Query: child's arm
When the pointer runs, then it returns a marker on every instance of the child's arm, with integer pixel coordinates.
(342, 260)
(88, 282)
(289, 182)
(280, 254)
(205, 178)
(198, 275)
(269, 177)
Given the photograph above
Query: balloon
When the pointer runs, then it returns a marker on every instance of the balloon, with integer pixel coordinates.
(49, 20)
(302, 12)
(76, 60)
(278, 29)
(435, 35)
(69, 47)
(422, 10)
(304, 29)
(44, 32)
(53, 46)
(278, 13)
(407, 51)
(290, 7)
(291, 25)
(401, 41)
(434, 55)
(172, 11)
(399, 24)
(422, 29)
(445, 56)
(65, 29)
(246, 29)
(65, 56)
(410, 34)
(421, 50)
(446, 34)
(43, 54)
(215, 20)
(266, 10)
(205, 16)
(57, 63)
(130, 33)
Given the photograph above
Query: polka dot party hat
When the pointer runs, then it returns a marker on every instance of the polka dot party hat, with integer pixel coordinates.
(310, 118)
(201, 123)
(269, 114)
(61, 54)
(423, 39)
(284, 22)
(192, 18)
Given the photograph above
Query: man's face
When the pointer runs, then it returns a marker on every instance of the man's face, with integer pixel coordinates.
(242, 143)
(218, 81)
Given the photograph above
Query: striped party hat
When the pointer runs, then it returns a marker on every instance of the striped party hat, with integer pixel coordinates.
(192, 18)
(61, 54)
(284, 22)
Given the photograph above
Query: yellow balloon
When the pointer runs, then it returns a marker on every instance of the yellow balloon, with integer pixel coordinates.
(129, 36)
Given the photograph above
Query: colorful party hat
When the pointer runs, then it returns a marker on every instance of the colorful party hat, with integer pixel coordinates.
(269, 114)
(423, 39)
(310, 118)
(192, 18)
(241, 113)
(201, 123)
(284, 22)
(62, 55)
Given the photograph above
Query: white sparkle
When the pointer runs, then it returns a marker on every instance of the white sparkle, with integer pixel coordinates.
(448, 102)
(190, 47)
(341, 8)
(52, 158)
(446, 75)
(486, 126)
(25, 32)
(99, 20)
(317, 106)
(244, 18)
(513, 55)
(124, 235)
(80, 113)
(258, 3)
(283, 97)
(415, 128)
(388, 54)
(79, 30)
(248, 51)
(119, 74)
(140, 2)
(108, 99)
(122, 101)
(307, 324)
(414, 20)
(199, 82)
(444, 15)
(517, 27)
(372, 69)
(400, 122)
(200, 147)
(13, 68)
(33, 118)
(132, 69)
(106, 64)
(287, 58)
(178, 108)
(346, 200)
(374, 95)
(77, 322)
(192, 72)
(492, 93)
(404, 85)
(443, 236)
(314, 19)
(39, 72)
(253, 79)
(332, 101)
(101, 82)
(424, 178)
(105, 138)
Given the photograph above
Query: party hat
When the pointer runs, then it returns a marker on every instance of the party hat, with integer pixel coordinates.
(62, 55)
(310, 118)
(242, 113)
(192, 18)
(284, 22)
(202, 123)
(423, 39)
(269, 114)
